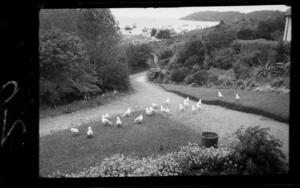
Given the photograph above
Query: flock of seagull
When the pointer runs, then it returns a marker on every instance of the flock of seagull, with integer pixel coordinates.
(154, 108)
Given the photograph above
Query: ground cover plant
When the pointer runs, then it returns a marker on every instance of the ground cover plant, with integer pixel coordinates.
(265, 104)
(61, 151)
(254, 151)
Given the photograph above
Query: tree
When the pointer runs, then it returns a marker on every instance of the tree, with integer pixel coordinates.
(63, 19)
(163, 34)
(153, 32)
(65, 71)
(192, 53)
(137, 55)
(101, 34)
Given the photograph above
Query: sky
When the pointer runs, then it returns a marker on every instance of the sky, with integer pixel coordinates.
(184, 11)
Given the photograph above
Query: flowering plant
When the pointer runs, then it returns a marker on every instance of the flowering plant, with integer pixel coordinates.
(190, 160)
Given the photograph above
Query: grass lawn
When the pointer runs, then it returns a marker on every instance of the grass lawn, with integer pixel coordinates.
(67, 153)
(266, 104)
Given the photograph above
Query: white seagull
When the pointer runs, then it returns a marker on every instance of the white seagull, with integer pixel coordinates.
(181, 107)
(119, 122)
(127, 113)
(106, 116)
(155, 106)
(167, 110)
(185, 103)
(237, 96)
(162, 109)
(220, 94)
(200, 102)
(149, 112)
(138, 119)
(89, 132)
(193, 108)
(106, 121)
(74, 131)
(167, 101)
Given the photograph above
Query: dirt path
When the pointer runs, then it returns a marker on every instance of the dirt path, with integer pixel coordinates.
(213, 118)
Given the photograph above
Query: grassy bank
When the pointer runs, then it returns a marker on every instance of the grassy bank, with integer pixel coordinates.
(265, 104)
(142, 140)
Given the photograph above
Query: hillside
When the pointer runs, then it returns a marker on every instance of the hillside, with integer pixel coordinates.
(231, 16)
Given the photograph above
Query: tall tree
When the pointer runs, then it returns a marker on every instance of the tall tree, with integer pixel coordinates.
(101, 34)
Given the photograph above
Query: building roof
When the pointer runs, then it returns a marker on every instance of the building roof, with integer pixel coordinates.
(288, 12)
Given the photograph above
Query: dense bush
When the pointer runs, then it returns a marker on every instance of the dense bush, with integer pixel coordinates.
(192, 53)
(246, 34)
(220, 37)
(153, 32)
(222, 58)
(136, 55)
(113, 76)
(267, 28)
(163, 34)
(241, 70)
(258, 151)
(200, 77)
(165, 53)
(65, 70)
(179, 74)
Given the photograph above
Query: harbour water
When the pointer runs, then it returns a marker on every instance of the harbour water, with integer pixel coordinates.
(144, 25)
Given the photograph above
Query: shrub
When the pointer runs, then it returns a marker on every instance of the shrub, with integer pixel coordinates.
(265, 70)
(180, 74)
(220, 37)
(191, 53)
(242, 70)
(136, 56)
(189, 160)
(200, 77)
(153, 32)
(163, 34)
(165, 53)
(222, 59)
(246, 34)
(65, 70)
(258, 151)
(113, 76)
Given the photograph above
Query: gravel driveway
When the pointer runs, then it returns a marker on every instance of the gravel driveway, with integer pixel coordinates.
(213, 118)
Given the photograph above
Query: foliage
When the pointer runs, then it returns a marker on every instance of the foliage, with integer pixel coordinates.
(65, 71)
(192, 53)
(179, 74)
(283, 50)
(268, 27)
(163, 34)
(63, 19)
(222, 58)
(190, 160)
(220, 37)
(199, 77)
(100, 33)
(285, 67)
(246, 34)
(113, 76)
(165, 53)
(265, 70)
(241, 46)
(242, 70)
(259, 151)
(136, 55)
(153, 32)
